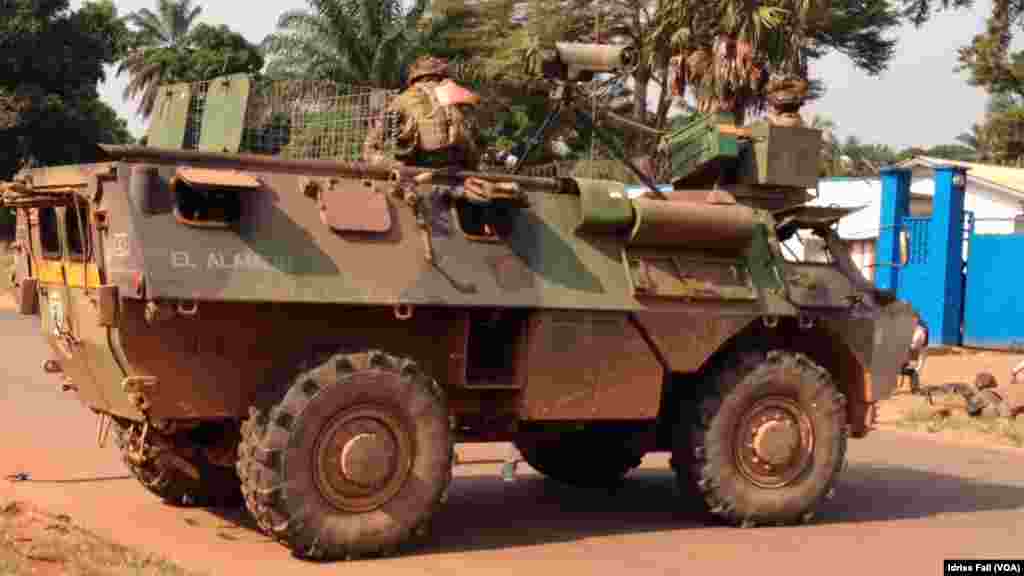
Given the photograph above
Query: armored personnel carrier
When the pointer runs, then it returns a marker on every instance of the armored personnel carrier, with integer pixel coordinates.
(272, 321)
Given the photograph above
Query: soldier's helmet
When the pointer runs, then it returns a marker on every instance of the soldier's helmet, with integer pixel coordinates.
(428, 66)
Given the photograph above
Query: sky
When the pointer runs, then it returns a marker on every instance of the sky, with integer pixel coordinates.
(918, 101)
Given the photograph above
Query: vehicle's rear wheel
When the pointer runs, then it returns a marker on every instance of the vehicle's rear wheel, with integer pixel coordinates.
(585, 459)
(769, 440)
(179, 474)
(353, 460)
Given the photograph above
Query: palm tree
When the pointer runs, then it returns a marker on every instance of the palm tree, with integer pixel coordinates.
(360, 42)
(977, 141)
(740, 56)
(159, 38)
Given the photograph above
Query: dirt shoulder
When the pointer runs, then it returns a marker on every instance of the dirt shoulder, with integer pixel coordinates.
(946, 419)
(35, 542)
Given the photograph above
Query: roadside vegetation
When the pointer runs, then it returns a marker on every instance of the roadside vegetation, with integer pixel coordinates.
(948, 417)
(34, 542)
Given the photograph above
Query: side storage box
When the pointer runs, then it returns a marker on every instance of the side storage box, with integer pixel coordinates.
(781, 156)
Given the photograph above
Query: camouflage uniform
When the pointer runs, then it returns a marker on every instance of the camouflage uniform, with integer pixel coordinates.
(432, 126)
(429, 133)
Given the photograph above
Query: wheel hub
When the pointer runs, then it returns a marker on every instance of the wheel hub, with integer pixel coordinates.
(774, 443)
(363, 457)
(366, 459)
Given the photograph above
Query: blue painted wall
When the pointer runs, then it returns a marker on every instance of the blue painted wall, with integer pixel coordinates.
(994, 307)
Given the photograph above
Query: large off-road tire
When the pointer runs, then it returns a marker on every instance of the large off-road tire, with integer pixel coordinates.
(769, 440)
(584, 459)
(353, 461)
(215, 486)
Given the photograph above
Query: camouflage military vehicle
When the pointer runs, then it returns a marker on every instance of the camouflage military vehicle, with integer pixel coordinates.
(258, 324)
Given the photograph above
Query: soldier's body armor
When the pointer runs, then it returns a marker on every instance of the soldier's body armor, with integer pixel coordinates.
(436, 129)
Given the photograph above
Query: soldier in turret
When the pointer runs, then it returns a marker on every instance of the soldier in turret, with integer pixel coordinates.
(431, 125)
(432, 121)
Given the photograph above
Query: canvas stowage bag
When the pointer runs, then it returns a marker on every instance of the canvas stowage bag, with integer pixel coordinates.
(440, 118)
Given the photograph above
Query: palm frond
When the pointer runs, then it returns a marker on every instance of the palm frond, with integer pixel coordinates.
(149, 27)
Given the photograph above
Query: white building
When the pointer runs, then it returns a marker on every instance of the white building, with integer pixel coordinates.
(995, 195)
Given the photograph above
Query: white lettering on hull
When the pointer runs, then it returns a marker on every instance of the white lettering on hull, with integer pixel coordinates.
(246, 261)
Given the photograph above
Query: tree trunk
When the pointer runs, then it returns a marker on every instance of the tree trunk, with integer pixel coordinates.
(665, 98)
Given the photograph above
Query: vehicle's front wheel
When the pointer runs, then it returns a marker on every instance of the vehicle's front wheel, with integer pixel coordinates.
(353, 460)
(769, 440)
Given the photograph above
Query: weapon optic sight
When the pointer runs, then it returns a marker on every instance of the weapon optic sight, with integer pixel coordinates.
(579, 62)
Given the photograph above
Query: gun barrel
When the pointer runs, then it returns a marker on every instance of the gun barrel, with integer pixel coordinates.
(319, 167)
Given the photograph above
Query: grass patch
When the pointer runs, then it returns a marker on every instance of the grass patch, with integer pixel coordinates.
(932, 419)
(32, 542)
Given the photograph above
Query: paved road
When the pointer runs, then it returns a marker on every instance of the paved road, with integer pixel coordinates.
(906, 503)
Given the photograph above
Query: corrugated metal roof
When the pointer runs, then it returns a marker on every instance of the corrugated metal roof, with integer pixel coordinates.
(1010, 180)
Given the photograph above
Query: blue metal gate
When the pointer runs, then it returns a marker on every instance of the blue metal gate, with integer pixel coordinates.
(919, 279)
(994, 303)
(915, 282)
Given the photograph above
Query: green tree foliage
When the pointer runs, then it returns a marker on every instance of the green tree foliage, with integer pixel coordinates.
(168, 46)
(987, 58)
(53, 60)
(918, 12)
(158, 37)
(862, 159)
(957, 152)
(357, 42)
(723, 52)
(852, 157)
(502, 38)
(990, 65)
(1002, 133)
(214, 51)
(999, 138)
(734, 54)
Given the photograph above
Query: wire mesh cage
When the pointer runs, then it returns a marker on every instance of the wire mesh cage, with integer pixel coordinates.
(309, 119)
(303, 119)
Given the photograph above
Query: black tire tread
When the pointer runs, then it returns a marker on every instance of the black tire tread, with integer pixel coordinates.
(260, 468)
(745, 366)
